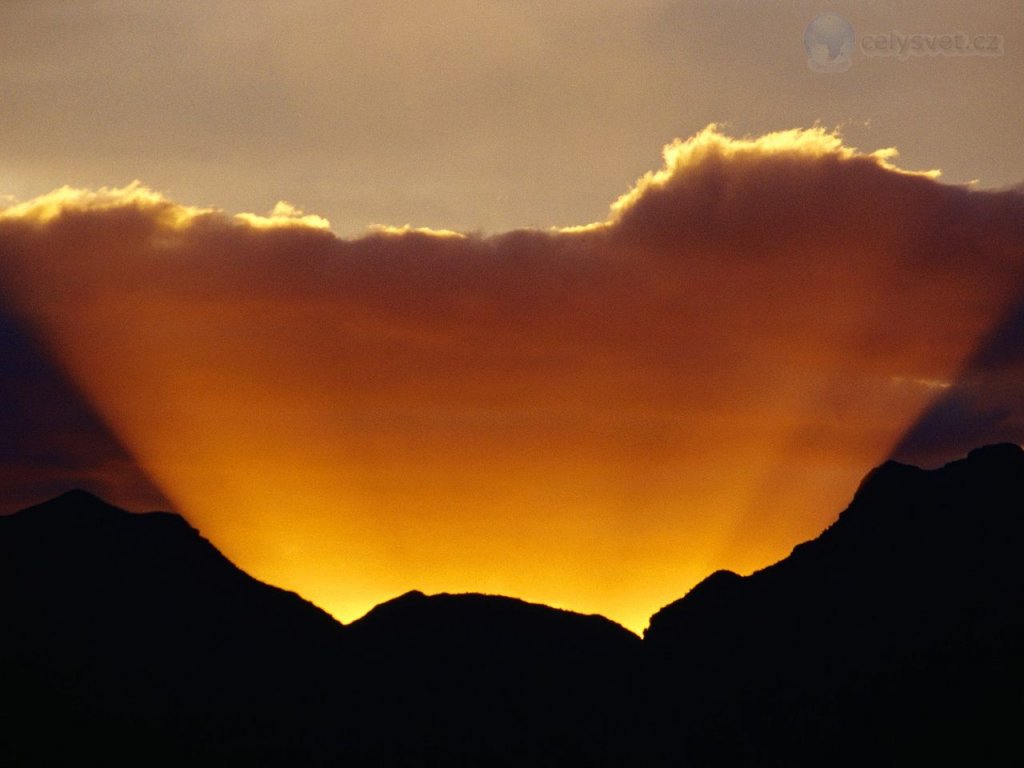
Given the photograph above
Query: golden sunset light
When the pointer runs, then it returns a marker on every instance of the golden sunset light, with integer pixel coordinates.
(592, 418)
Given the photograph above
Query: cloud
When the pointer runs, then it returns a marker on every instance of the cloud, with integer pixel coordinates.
(68, 201)
(713, 152)
(284, 214)
(594, 417)
(405, 229)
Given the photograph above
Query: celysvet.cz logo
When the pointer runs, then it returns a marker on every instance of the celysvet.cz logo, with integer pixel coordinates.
(830, 43)
(926, 44)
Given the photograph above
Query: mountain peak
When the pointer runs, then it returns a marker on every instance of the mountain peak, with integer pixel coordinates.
(901, 517)
(998, 453)
(998, 456)
(77, 512)
(78, 495)
(886, 475)
(76, 498)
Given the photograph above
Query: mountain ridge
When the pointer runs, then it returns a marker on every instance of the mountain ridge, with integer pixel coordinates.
(869, 617)
(132, 635)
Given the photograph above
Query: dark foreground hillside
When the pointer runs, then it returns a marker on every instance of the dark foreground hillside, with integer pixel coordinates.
(129, 639)
(894, 638)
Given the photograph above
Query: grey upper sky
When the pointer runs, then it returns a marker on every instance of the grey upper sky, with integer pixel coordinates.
(478, 115)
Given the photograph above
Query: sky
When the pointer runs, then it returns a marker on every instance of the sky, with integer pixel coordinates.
(576, 302)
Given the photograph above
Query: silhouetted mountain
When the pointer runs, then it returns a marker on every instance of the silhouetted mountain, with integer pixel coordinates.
(895, 637)
(131, 637)
(482, 680)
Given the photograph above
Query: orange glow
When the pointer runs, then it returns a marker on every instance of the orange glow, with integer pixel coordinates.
(594, 418)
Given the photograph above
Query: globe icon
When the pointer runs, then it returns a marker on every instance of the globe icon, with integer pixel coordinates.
(829, 43)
